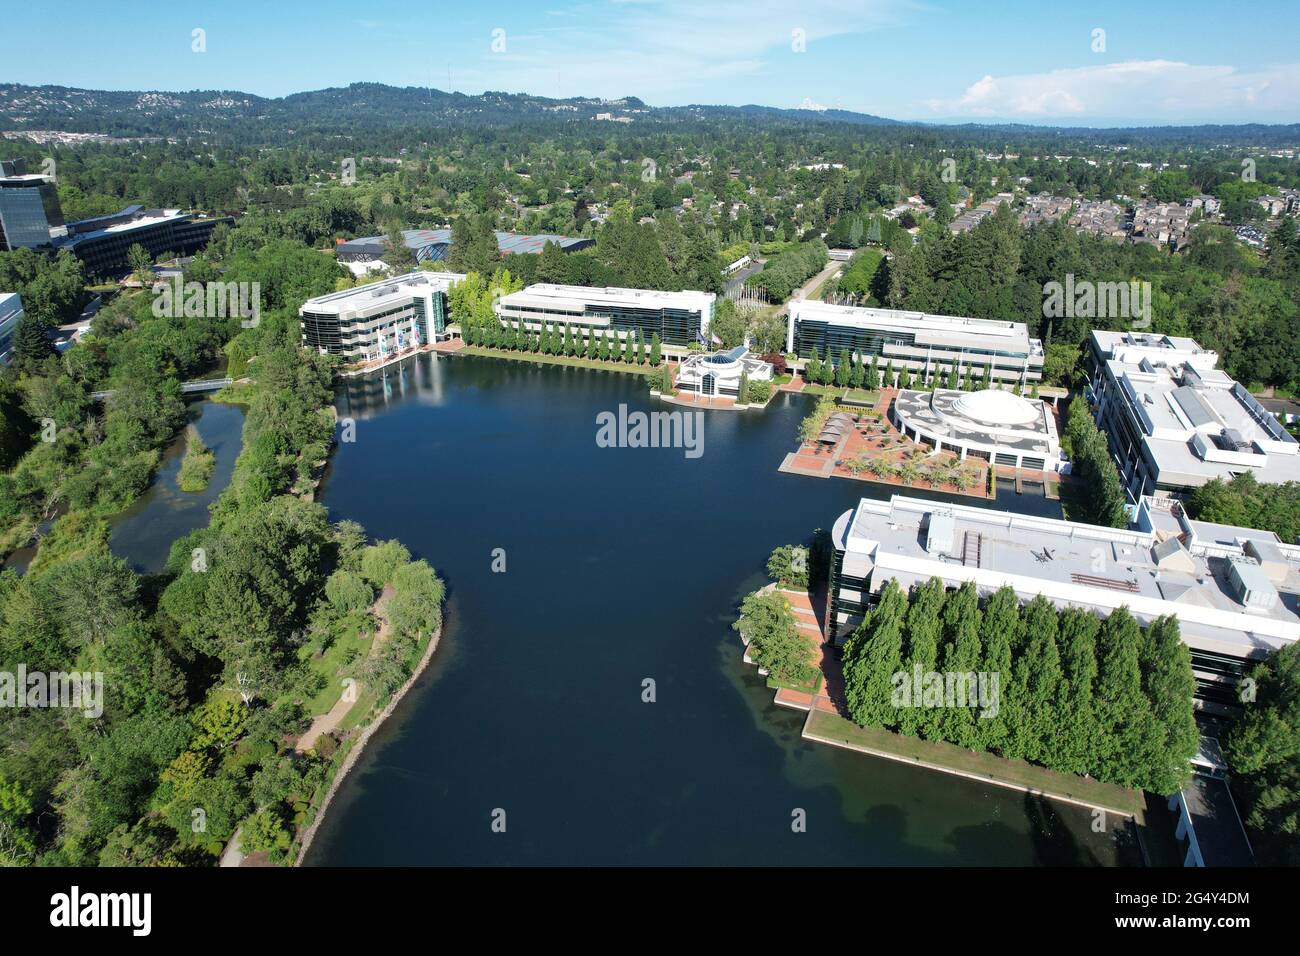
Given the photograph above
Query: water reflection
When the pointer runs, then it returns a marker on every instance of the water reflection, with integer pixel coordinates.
(622, 564)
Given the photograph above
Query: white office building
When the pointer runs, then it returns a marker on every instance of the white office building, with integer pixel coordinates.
(1234, 591)
(929, 345)
(380, 319)
(1175, 421)
(678, 318)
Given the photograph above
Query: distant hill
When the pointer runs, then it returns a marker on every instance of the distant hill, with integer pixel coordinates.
(173, 113)
(366, 107)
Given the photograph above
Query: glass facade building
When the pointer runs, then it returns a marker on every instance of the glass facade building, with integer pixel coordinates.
(917, 341)
(24, 216)
(382, 318)
(678, 318)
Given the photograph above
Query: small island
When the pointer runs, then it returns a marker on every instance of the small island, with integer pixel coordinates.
(196, 467)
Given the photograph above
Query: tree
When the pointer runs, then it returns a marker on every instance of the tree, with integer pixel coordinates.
(141, 264)
(1263, 749)
(923, 629)
(961, 658)
(31, 344)
(1169, 684)
(788, 566)
(1000, 636)
(1074, 746)
(777, 646)
(1123, 711)
(872, 656)
(1036, 686)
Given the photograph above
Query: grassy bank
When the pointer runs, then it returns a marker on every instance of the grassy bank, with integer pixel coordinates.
(833, 729)
(558, 360)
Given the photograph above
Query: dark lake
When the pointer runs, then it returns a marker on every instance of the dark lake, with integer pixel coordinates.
(621, 564)
(144, 532)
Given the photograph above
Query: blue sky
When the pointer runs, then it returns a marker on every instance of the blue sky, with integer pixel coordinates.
(1162, 62)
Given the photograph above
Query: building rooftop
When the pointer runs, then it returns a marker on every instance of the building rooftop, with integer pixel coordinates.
(990, 417)
(544, 294)
(507, 242)
(1155, 347)
(1197, 424)
(1088, 566)
(400, 287)
(928, 329)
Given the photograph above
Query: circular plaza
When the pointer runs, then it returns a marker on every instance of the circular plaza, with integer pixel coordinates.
(994, 425)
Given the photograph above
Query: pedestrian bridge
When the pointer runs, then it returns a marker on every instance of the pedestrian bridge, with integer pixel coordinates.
(187, 388)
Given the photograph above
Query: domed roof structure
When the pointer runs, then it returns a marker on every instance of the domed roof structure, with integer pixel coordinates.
(997, 407)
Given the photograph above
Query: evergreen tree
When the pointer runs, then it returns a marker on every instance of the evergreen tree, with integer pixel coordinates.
(827, 369)
(874, 379)
(961, 657)
(842, 369)
(1077, 730)
(872, 656)
(31, 344)
(1123, 712)
(923, 631)
(656, 350)
(1000, 636)
(1036, 685)
(1170, 685)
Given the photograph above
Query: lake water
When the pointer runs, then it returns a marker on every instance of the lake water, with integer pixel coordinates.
(144, 532)
(621, 564)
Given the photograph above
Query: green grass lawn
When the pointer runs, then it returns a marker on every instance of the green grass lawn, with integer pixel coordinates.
(803, 687)
(984, 765)
(347, 638)
(558, 360)
(836, 391)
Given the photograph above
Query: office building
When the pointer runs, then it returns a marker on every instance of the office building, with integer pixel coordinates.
(1234, 591)
(431, 245)
(926, 344)
(102, 243)
(678, 318)
(1175, 421)
(29, 208)
(379, 319)
(11, 313)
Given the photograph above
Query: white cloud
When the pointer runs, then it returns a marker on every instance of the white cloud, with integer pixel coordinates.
(662, 50)
(1147, 90)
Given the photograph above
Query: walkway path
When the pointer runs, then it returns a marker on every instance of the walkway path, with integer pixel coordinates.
(326, 723)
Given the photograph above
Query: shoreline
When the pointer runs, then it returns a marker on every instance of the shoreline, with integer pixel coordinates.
(309, 835)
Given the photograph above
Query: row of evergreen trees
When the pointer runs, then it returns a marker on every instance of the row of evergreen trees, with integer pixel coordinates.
(1075, 693)
(554, 340)
(1097, 496)
(849, 371)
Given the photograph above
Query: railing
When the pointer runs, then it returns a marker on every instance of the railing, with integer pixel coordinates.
(187, 388)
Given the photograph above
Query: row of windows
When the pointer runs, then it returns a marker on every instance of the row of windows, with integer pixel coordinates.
(673, 326)
(812, 337)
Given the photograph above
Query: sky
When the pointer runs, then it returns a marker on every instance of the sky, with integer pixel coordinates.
(1094, 64)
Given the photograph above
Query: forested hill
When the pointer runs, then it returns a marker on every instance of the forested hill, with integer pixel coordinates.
(360, 106)
(368, 107)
